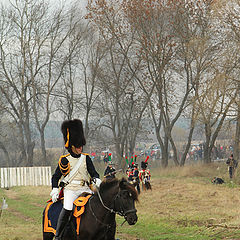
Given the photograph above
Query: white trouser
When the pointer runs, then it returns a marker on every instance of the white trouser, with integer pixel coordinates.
(70, 196)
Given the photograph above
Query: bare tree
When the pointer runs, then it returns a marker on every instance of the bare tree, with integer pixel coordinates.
(33, 57)
(157, 48)
(197, 52)
(228, 15)
(122, 100)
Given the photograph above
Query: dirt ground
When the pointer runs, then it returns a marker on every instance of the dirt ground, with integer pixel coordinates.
(187, 200)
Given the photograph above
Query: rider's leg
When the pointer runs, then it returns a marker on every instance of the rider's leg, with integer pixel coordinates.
(69, 197)
(231, 172)
(62, 221)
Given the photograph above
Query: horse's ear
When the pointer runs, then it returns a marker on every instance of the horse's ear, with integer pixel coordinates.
(122, 183)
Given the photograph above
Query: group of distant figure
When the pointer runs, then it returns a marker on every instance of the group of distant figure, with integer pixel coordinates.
(232, 166)
(134, 176)
(218, 152)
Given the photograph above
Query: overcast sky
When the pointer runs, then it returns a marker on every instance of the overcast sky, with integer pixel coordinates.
(83, 3)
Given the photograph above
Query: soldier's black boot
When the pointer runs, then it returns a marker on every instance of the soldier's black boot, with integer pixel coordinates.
(62, 221)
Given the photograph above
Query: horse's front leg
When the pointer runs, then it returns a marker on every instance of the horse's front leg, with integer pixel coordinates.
(111, 231)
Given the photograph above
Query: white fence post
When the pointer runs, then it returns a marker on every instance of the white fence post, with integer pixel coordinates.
(2, 178)
(23, 176)
(6, 178)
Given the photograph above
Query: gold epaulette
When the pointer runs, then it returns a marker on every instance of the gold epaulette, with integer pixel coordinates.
(64, 168)
(85, 154)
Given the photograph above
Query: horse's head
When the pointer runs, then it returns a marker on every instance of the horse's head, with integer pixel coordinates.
(125, 201)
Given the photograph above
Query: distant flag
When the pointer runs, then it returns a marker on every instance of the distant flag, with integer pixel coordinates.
(146, 159)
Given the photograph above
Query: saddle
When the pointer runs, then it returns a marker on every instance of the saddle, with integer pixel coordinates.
(52, 211)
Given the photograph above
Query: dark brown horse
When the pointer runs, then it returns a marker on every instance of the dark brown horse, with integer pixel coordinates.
(98, 221)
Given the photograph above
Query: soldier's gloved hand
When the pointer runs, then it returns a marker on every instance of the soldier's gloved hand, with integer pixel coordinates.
(54, 194)
(96, 182)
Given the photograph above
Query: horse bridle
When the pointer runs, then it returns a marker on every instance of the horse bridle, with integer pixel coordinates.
(121, 212)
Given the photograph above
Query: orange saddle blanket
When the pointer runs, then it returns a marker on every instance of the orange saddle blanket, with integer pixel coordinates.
(53, 210)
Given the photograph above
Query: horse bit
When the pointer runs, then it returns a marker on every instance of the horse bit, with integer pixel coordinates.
(121, 212)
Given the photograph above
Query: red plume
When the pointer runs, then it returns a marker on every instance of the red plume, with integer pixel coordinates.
(146, 159)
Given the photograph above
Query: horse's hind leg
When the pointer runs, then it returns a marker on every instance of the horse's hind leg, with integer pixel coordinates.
(149, 186)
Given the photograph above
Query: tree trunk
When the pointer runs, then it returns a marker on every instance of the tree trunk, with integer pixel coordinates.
(183, 158)
(43, 149)
(237, 136)
(175, 156)
(8, 160)
(165, 153)
(30, 146)
(207, 150)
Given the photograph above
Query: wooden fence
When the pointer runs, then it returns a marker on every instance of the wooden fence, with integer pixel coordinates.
(25, 176)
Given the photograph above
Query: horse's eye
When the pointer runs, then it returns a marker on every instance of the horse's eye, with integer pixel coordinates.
(126, 195)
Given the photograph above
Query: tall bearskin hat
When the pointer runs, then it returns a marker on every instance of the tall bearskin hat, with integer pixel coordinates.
(144, 165)
(73, 134)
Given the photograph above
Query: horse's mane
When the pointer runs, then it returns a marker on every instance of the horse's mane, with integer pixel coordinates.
(130, 188)
(107, 184)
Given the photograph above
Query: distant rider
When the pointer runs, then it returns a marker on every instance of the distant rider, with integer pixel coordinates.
(110, 171)
(145, 174)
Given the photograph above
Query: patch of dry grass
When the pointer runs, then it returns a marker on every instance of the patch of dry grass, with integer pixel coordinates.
(182, 204)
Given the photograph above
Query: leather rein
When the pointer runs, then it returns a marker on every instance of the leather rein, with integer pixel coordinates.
(122, 212)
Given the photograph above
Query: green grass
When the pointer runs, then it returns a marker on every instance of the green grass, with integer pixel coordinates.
(152, 229)
(184, 205)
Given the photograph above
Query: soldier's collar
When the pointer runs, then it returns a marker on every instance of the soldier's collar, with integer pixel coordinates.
(74, 154)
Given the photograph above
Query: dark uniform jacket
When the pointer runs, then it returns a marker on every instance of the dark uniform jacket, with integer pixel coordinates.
(231, 162)
(108, 173)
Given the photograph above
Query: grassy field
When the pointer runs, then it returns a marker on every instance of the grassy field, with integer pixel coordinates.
(183, 204)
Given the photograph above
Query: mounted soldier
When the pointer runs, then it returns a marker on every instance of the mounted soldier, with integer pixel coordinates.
(74, 168)
(136, 180)
(133, 174)
(110, 171)
(129, 170)
(145, 175)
